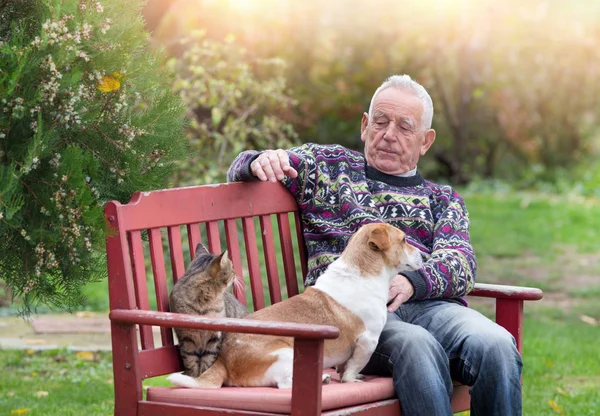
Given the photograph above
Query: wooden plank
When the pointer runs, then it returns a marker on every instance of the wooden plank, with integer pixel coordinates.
(270, 258)
(301, 246)
(160, 280)
(233, 248)
(509, 314)
(244, 326)
(168, 409)
(506, 292)
(307, 373)
(389, 407)
(164, 208)
(193, 238)
(287, 251)
(141, 287)
(177, 265)
(159, 361)
(213, 236)
(256, 287)
(127, 380)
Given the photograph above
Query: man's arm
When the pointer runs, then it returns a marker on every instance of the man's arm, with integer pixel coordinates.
(270, 165)
(450, 271)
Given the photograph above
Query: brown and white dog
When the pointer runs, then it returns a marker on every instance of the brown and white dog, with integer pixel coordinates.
(350, 295)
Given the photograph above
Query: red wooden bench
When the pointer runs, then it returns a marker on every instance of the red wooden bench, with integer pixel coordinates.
(259, 225)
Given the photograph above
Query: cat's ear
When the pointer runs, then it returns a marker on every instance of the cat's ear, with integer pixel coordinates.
(218, 263)
(224, 259)
(200, 249)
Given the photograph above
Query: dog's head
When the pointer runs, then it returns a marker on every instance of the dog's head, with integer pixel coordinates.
(378, 247)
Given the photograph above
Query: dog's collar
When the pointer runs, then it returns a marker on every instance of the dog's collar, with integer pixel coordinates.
(393, 180)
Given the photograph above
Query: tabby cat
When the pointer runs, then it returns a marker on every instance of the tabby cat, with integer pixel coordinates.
(202, 291)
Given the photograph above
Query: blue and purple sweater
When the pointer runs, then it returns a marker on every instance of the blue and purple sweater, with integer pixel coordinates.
(337, 193)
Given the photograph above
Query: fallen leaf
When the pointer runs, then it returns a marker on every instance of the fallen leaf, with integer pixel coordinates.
(34, 374)
(30, 352)
(84, 314)
(85, 355)
(549, 363)
(588, 320)
(41, 393)
(556, 407)
(561, 391)
(19, 411)
(10, 393)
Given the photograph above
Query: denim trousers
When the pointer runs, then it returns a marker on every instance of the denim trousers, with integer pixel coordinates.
(427, 344)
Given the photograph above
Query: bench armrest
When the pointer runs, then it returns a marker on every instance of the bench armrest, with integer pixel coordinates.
(308, 345)
(506, 292)
(248, 326)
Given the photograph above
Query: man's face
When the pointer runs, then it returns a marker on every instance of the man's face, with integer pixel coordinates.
(394, 138)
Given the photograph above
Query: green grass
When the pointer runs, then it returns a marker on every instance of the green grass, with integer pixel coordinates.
(524, 239)
(513, 225)
(55, 382)
(560, 357)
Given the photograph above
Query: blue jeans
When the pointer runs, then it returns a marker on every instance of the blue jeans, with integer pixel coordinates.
(426, 344)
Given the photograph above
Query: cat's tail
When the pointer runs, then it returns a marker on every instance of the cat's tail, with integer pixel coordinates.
(213, 378)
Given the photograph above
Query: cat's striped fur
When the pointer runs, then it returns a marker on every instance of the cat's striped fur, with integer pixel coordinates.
(202, 291)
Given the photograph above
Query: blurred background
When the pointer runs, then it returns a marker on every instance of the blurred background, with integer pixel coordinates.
(515, 86)
(514, 83)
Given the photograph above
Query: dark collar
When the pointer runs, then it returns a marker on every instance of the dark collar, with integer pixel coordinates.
(399, 181)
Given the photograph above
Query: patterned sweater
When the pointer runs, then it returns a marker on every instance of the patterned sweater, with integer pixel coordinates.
(337, 192)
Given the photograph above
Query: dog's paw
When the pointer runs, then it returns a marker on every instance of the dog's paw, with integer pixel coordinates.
(348, 378)
(181, 380)
(326, 379)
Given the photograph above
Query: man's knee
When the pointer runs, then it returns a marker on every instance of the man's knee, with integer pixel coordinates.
(495, 347)
(411, 345)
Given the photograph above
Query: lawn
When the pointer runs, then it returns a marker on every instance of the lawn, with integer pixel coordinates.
(529, 239)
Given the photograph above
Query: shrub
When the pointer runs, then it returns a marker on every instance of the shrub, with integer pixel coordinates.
(235, 102)
(86, 115)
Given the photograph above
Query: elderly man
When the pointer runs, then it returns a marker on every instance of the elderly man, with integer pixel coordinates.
(430, 336)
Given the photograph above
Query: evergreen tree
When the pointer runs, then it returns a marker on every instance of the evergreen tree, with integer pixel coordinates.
(86, 115)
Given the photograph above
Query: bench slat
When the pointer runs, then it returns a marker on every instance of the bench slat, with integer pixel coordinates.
(177, 265)
(233, 247)
(214, 239)
(160, 280)
(193, 238)
(270, 258)
(164, 208)
(253, 263)
(287, 251)
(301, 248)
(140, 285)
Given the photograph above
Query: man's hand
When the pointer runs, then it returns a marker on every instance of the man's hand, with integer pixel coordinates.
(400, 291)
(272, 165)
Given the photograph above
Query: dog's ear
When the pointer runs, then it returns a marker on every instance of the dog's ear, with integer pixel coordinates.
(200, 249)
(379, 239)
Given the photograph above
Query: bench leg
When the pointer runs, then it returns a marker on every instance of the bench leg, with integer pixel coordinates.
(509, 314)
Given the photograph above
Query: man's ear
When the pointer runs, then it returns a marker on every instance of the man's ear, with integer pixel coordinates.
(364, 123)
(429, 138)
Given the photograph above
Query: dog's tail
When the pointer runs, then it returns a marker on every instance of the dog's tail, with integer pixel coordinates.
(213, 378)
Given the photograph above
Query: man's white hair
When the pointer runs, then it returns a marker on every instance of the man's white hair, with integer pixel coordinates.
(405, 83)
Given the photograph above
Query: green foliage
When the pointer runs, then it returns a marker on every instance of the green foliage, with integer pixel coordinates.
(234, 102)
(86, 115)
(513, 82)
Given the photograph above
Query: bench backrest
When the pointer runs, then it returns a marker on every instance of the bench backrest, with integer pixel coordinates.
(154, 238)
